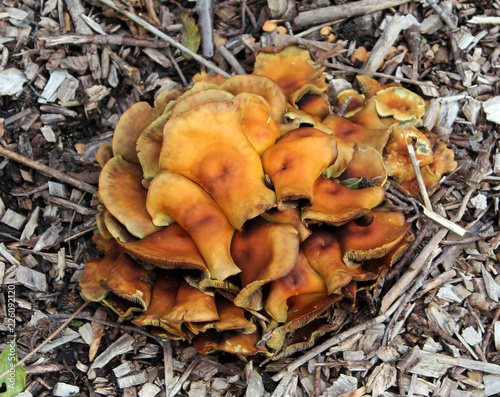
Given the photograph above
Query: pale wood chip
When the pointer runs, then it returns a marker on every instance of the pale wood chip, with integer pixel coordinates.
(31, 279)
(471, 336)
(64, 389)
(13, 219)
(381, 378)
(492, 287)
(121, 346)
(86, 333)
(132, 380)
(255, 387)
(343, 384)
(198, 389)
(149, 390)
(68, 336)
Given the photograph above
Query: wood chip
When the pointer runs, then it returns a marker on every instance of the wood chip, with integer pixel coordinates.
(31, 279)
(149, 390)
(13, 219)
(132, 380)
(68, 336)
(123, 369)
(343, 384)
(121, 346)
(64, 390)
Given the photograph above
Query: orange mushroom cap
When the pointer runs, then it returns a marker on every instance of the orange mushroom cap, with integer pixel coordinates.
(264, 252)
(302, 310)
(207, 145)
(370, 86)
(294, 71)
(230, 342)
(325, 256)
(290, 216)
(163, 299)
(192, 99)
(97, 269)
(303, 279)
(367, 163)
(191, 305)
(149, 146)
(350, 101)
(396, 157)
(103, 154)
(295, 162)
(170, 248)
(346, 129)
(262, 86)
(369, 118)
(400, 103)
(335, 204)
(173, 195)
(209, 78)
(315, 105)
(256, 121)
(130, 284)
(121, 192)
(128, 129)
(361, 243)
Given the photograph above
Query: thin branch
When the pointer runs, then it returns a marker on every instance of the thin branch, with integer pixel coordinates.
(4, 152)
(163, 36)
(52, 336)
(334, 341)
(376, 74)
(204, 8)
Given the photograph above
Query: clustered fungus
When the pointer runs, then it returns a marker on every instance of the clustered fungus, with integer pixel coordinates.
(229, 214)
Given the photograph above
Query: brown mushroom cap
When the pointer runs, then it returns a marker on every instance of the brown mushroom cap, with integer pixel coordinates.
(130, 283)
(149, 146)
(335, 204)
(362, 243)
(303, 279)
(295, 162)
(289, 216)
(209, 78)
(400, 103)
(370, 86)
(103, 154)
(315, 105)
(232, 317)
(367, 163)
(170, 248)
(264, 252)
(173, 195)
(229, 342)
(369, 118)
(302, 310)
(163, 299)
(121, 192)
(192, 99)
(128, 129)
(346, 129)
(396, 157)
(325, 256)
(191, 305)
(294, 71)
(256, 121)
(345, 149)
(97, 269)
(219, 158)
(351, 101)
(262, 86)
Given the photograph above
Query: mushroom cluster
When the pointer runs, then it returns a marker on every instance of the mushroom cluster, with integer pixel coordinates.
(232, 212)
